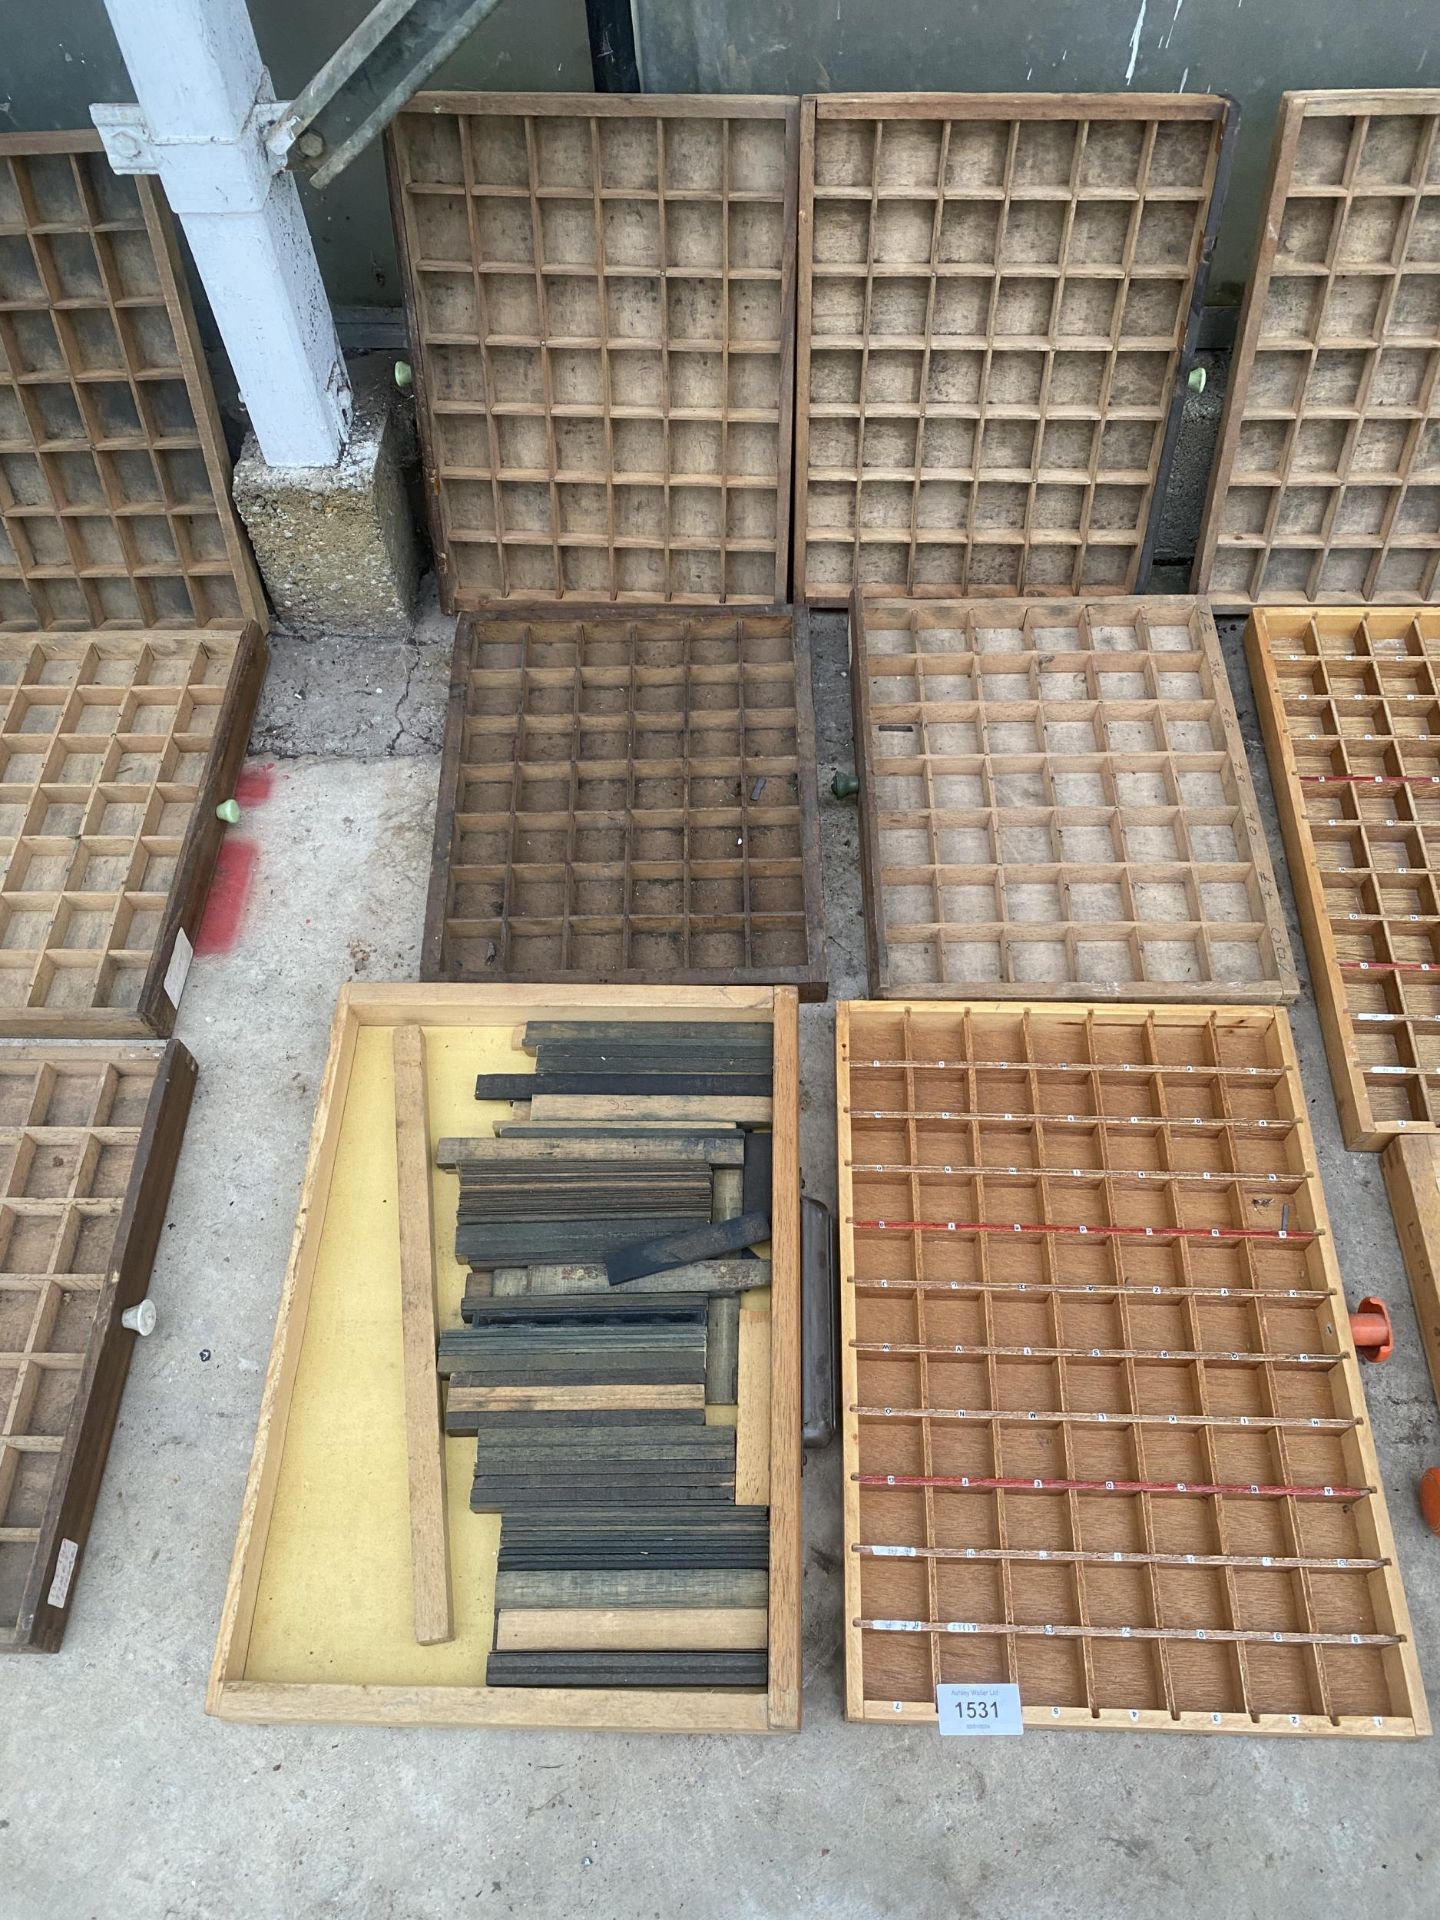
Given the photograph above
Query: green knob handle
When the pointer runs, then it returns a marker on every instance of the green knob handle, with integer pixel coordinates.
(229, 812)
(1195, 379)
(844, 786)
(404, 374)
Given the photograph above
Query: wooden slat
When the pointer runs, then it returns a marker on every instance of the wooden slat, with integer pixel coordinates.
(424, 1435)
(601, 298)
(526, 1629)
(1125, 1468)
(1056, 803)
(1323, 486)
(782, 1468)
(999, 298)
(697, 1151)
(696, 1110)
(752, 1419)
(573, 1399)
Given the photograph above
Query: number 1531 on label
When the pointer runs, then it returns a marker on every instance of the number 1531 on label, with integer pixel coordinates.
(990, 1707)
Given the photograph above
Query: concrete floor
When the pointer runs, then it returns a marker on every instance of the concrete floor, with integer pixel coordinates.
(119, 1798)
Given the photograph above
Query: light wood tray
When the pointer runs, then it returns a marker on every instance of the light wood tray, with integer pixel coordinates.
(318, 1623)
(1349, 705)
(1326, 483)
(1104, 1431)
(1056, 804)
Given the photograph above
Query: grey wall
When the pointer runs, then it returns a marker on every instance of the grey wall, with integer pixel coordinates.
(1253, 49)
(60, 55)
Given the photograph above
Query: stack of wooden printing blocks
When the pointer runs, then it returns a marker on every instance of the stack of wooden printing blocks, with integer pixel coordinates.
(607, 1228)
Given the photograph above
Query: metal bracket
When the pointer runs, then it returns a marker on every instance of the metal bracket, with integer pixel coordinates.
(129, 144)
(363, 85)
(213, 173)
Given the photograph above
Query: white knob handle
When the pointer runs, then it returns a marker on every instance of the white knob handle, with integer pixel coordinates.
(140, 1318)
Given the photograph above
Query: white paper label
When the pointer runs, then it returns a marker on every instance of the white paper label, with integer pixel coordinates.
(176, 974)
(992, 1707)
(64, 1572)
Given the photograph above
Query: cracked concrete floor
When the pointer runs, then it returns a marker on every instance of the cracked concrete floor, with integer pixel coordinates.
(118, 1798)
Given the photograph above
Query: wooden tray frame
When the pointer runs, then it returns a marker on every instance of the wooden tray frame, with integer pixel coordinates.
(184, 900)
(232, 1697)
(1387, 1599)
(215, 579)
(1411, 1166)
(472, 636)
(1035, 565)
(1280, 985)
(48, 1602)
(1413, 637)
(729, 482)
(1383, 560)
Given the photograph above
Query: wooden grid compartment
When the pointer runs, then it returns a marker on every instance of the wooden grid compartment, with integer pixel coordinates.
(601, 297)
(114, 477)
(88, 1142)
(114, 749)
(629, 798)
(1057, 805)
(1105, 1436)
(1326, 484)
(1349, 703)
(998, 296)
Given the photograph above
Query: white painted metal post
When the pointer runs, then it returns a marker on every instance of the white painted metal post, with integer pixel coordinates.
(200, 124)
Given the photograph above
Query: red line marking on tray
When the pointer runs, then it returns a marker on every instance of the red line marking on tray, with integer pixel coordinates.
(230, 890)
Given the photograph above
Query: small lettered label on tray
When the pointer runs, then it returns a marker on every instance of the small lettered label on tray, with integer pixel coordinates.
(991, 1706)
(64, 1572)
(178, 971)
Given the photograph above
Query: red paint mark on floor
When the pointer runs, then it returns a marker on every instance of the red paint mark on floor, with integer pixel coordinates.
(230, 891)
(255, 785)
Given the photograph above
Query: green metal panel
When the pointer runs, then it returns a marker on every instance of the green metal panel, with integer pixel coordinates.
(1252, 49)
